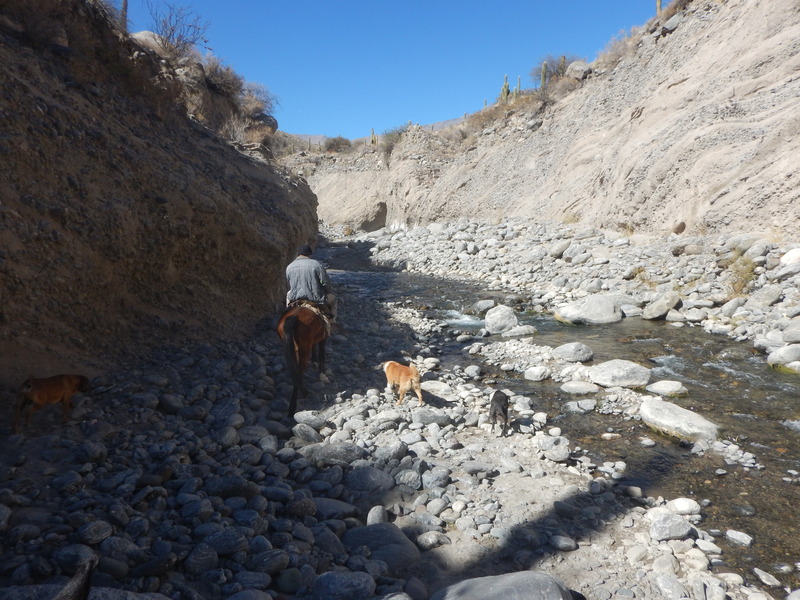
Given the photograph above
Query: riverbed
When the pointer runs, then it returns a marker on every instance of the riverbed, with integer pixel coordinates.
(728, 382)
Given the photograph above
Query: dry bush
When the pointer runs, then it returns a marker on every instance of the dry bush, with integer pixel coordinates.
(620, 46)
(672, 8)
(742, 275)
(257, 102)
(338, 144)
(178, 28)
(530, 101)
(259, 134)
(454, 135)
(555, 67)
(223, 80)
(390, 138)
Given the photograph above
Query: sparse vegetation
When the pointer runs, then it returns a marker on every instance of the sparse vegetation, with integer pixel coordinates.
(621, 45)
(179, 29)
(742, 274)
(338, 144)
(390, 137)
(570, 218)
(627, 228)
(223, 80)
(552, 67)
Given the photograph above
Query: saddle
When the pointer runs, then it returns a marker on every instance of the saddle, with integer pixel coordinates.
(322, 310)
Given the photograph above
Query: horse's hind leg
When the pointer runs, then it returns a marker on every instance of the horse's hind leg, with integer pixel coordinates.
(320, 346)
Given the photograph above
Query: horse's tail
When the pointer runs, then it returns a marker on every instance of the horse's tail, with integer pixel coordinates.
(289, 325)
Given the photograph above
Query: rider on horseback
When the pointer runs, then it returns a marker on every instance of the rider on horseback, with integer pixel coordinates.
(308, 281)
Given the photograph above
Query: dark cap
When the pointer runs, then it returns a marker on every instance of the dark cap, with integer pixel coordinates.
(305, 250)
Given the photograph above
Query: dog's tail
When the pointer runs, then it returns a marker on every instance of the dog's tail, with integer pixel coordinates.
(414, 370)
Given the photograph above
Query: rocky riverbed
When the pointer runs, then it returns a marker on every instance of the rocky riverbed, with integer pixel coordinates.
(186, 480)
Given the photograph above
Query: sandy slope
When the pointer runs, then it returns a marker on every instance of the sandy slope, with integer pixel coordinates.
(697, 126)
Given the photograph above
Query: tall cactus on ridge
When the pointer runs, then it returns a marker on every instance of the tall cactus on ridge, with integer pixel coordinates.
(505, 90)
(544, 75)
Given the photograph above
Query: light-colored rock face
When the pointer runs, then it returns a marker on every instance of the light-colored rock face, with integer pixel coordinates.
(697, 127)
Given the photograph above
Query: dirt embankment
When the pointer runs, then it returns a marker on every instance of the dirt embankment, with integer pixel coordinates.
(697, 124)
(123, 223)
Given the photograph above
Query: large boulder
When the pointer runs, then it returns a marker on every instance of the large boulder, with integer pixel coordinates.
(619, 373)
(659, 307)
(676, 421)
(500, 318)
(386, 542)
(523, 585)
(592, 310)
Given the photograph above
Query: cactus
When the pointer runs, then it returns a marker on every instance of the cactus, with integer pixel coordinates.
(544, 75)
(658, 7)
(504, 91)
(373, 139)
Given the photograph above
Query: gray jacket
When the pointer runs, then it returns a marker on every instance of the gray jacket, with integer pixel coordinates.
(307, 279)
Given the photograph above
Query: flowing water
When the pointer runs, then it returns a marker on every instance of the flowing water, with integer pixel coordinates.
(728, 382)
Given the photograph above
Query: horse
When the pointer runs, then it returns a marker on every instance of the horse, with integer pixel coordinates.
(303, 329)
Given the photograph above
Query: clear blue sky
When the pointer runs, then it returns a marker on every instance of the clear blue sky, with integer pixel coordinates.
(344, 67)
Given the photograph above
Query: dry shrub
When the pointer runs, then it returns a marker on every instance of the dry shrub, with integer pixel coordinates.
(528, 101)
(338, 144)
(454, 135)
(672, 8)
(222, 79)
(621, 46)
(742, 275)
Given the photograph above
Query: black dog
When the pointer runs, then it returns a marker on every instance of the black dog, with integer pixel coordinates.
(498, 409)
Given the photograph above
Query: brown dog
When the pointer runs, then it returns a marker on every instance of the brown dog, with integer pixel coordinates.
(37, 393)
(402, 379)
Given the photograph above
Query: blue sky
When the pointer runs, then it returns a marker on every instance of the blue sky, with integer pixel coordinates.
(344, 67)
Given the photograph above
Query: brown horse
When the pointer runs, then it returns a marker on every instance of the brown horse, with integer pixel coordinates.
(303, 330)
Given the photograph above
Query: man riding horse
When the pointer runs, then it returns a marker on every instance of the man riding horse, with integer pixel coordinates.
(309, 282)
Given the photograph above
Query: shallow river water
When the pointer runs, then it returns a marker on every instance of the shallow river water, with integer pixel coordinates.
(728, 382)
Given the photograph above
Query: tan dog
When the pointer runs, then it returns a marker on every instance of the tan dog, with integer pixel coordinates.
(37, 393)
(402, 379)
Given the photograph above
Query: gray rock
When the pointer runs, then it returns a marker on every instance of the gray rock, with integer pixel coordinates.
(619, 373)
(738, 537)
(387, 543)
(676, 421)
(667, 388)
(659, 308)
(368, 479)
(598, 309)
(784, 355)
(337, 453)
(523, 585)
(500, 318)
(573, 352)
(432, 539)
(555, 448)
(344, 585)
(537, 373)
(579, 387)
(670, 586)
(670, 527)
